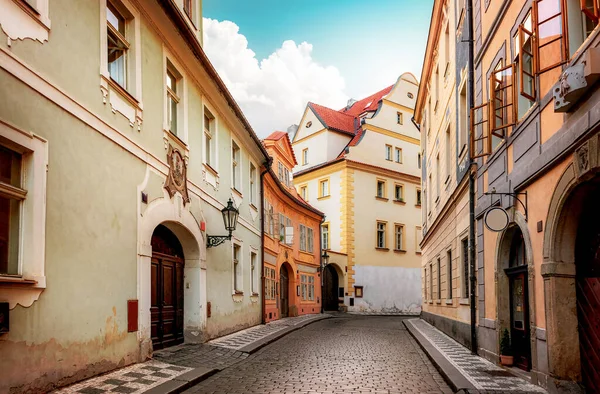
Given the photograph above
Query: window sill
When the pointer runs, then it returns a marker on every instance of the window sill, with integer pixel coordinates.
(254, 295)
(382, 198)
(121, 101)
(449, 302)
(238, 292)
(401, 202)
(437, 199)
(388, 160)
(323, 197)
(210, 169)
(401, 251)
(168, 134)
(382, 249)
(253, 207)
(43, 20)
(464, 301)
(123, 92)
(447, 180)
(418, 205)
(16, 280)
(430, 302)
(438, 302)
(418, 253)
(236, 191)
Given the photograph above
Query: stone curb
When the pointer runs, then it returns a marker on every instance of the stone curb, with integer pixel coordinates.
(453, 376)
(257, 345)
(183, 381)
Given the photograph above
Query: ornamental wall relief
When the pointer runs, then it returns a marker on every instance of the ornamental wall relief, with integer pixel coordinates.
(177, 177)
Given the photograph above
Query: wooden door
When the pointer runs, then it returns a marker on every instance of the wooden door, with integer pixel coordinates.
(166, 299)
(330, 289)
(588, 298)
(519, 318)
(284, 292)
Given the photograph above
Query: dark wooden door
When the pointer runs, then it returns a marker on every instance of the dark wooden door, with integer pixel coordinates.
(588, 298)
(330, 289)
(166, 307)
(283, 292)
(519, 318)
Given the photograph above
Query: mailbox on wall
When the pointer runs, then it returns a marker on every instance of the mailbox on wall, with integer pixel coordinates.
(4, 317)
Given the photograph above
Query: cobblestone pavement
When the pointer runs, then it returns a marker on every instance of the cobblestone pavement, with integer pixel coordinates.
(484, 375)
(350, 354)
(384, 313)
(200, 355)
(245, 337)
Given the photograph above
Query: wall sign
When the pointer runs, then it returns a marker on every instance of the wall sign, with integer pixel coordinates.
(496, 219)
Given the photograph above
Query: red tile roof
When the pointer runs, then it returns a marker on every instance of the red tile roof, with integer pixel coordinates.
(335, 120)
(276, 135)
(368, 103)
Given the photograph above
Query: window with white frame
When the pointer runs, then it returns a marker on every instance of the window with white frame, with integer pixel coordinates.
(174, 87)
(309, 240)
(307, 286)
(304, 193)
(302, 238)
(286, 177)
(381, 235)
(398, 155)
(324, 188)
(304, 156)
(117, 43)
(325, 236)
(381, 189)
(253, 270)
(286, 231)
(448, 154)
(235, 166)
(399, 237)
(253, 182)
(209, 139)
(270, 283)
(399, 118)
(237, 269)
(388, 152)
(12, 196)
(463, 118)
(418, 238)
(439, 279)
(399, 193)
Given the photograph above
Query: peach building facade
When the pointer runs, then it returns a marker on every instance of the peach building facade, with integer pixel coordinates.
(292, 249)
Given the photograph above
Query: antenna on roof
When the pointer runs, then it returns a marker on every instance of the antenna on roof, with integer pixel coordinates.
(350, 103)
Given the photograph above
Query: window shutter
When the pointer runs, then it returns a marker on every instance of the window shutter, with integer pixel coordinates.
(590, 10)
(481, 141)
(502, 100)
(549, 28)
(526, 78)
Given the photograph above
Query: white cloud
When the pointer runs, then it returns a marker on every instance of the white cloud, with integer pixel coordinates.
(273, 92)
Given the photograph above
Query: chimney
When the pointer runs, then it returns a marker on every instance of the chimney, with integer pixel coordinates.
(350, 104)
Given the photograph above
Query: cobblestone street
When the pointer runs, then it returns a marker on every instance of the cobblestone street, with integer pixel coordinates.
(351, 354)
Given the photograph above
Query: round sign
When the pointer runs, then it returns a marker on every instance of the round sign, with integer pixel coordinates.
(496, 219)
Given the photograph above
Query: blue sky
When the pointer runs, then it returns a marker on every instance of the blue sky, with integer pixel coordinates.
(370, 43)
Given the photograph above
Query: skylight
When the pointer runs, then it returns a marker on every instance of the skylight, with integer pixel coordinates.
(368, 104)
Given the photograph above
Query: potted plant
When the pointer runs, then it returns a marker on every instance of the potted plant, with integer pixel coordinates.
(506, 355)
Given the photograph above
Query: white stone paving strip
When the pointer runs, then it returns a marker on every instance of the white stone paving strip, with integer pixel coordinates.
(134, 379)
(479, 371)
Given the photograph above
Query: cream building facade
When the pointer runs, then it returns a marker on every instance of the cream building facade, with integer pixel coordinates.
(360, 166)
(442, 113)
(120, 145)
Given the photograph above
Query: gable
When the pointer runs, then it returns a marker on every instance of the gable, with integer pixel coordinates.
(285, 151)
(310, 124)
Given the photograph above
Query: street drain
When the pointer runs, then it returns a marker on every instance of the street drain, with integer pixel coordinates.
(501, 373)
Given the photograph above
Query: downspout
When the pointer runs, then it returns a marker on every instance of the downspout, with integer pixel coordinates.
(472, 173)
(267, 165)
(321, 262)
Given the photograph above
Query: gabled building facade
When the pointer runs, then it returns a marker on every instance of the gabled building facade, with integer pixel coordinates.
(360, 166)
(119, 147)
(292, 253)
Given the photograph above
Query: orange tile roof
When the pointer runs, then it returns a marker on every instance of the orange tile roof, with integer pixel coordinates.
(368, 103)
(276, 135)
(335, 120)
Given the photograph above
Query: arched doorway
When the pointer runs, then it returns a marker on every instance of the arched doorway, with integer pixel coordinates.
(166, 305)
(284, 292)
(587, 266)
(330, 288)
(518, 290)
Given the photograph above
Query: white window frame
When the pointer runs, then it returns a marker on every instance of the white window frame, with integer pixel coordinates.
(389, 152)
(304, 156)
(399, 226)
(236, 167)
(237, 277)
(398, 155)
(210, 153)
(169, 61)
(31, 259)
(325, 236)
(384, 230)
(252, 183)
(254, 269)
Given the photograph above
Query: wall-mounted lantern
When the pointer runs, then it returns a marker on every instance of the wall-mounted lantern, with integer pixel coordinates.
(230, 217)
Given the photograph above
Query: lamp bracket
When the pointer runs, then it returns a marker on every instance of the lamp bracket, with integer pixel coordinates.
(513, 195)
(216, 240)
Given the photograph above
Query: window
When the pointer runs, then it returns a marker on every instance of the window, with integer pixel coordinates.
(286, 177)
(358, 291)
(524, 66)
(304, 286)
(187, 7)
(447, 49)
(302, 238)
(304, 193)
(324, 188)
(173, 79)
(270, 283)
(269, 218)
(418, 196)
(437, 88)
(431, 281)
(418, 238)
(307, 284)
(399, 237)
(398, 155)
(399, 193)
(252, 184)
(381, 189)
(12, 196)
(449, 274)
(439, 279)
(425, 284)
(502, 102)
(304, 156)
(448, 155)
(325, 236)
(438, 175)
(280, 172)
(253, 280)
(463, 118)
(465, 267)
(235, 165)
(388, 152)
(381, 235)
(117, 45)
(582, 18)
(399, 118)
(419, 160)
(310, 240)
(237, 269)
(209, 140)
(286, 231)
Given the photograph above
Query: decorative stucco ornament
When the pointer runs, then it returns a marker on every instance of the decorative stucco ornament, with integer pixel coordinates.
(177, 177)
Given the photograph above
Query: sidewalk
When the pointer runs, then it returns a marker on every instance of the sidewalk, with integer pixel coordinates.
(463, 370)
(174, 369)
(384, 313)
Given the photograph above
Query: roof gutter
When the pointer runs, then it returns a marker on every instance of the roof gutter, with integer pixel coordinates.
(176, 16)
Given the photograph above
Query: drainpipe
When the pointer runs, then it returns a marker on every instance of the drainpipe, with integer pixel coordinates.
(472, 173)
(267, 165)
(321, 265)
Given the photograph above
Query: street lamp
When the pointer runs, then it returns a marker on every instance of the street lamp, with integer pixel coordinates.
(324, 262)
(230, 217)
